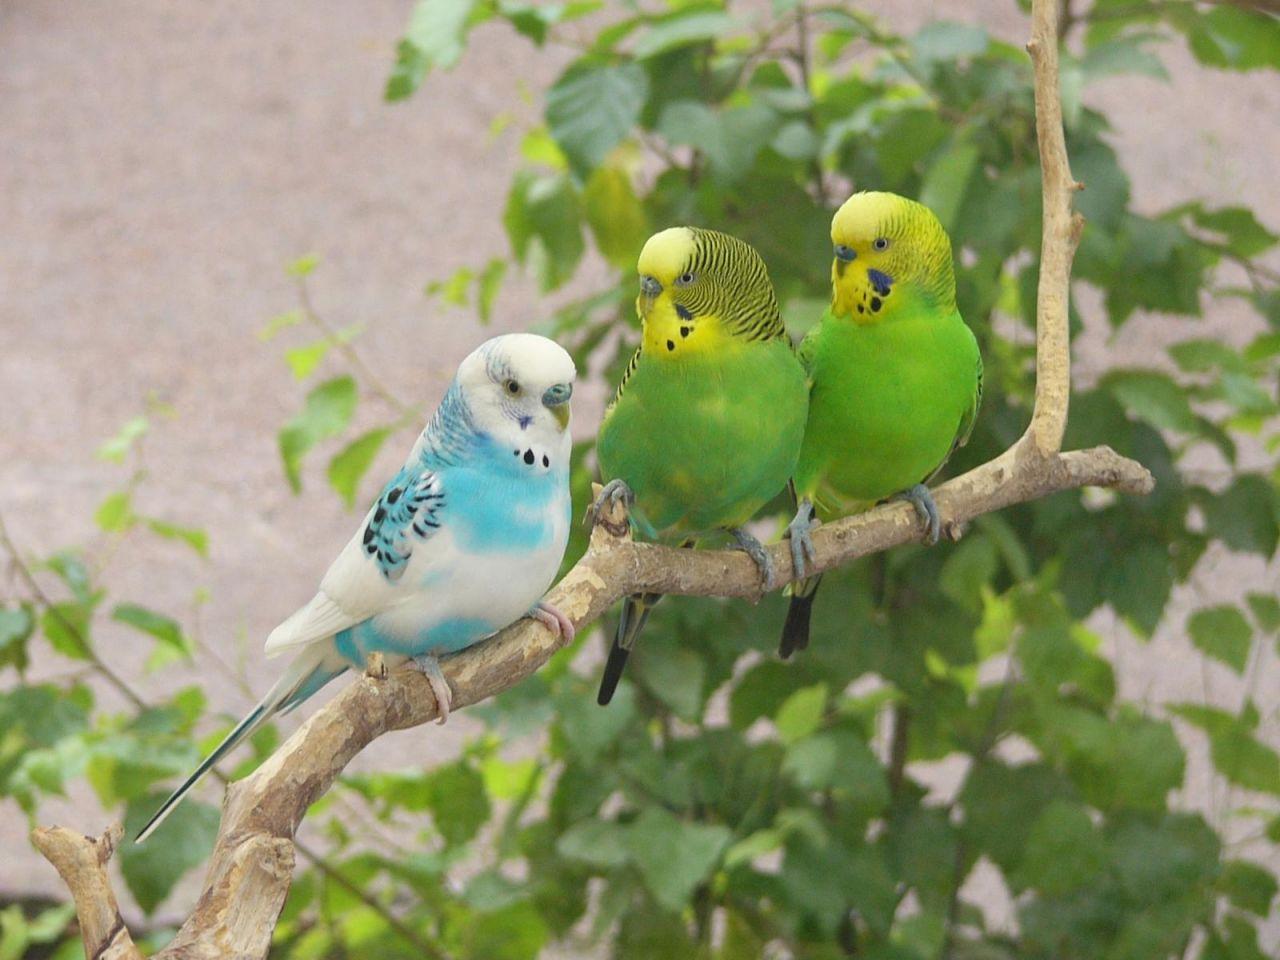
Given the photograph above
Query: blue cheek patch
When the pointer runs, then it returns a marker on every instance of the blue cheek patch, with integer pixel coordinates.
(880, 282)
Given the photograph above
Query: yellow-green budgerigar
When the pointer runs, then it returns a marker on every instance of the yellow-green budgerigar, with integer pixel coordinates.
(896, 377)
(707, 422)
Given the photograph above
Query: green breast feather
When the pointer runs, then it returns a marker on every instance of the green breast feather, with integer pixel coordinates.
(707, 439)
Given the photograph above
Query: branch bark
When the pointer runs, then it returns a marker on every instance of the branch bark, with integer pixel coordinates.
(252, 863)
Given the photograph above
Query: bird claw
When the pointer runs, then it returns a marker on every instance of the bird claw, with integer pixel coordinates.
(920, 498)
(756, 551)
(613, 492)
(555, 621)
(430, 668)
(799, 532)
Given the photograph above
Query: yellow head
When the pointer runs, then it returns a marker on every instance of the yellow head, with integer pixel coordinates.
(887, 246)
(699, 288)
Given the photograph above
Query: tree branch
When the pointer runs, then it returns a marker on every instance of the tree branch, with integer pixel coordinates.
(252, 862)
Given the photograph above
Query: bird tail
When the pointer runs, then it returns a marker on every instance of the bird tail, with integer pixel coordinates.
(304, 676)
(795, 631)
(635, 611)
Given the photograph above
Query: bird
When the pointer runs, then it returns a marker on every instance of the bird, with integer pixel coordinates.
(464, 539)
(895, 379)
(705, 427)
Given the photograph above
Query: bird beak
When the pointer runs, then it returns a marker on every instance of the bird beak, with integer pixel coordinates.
(556, 399)
(649, 287)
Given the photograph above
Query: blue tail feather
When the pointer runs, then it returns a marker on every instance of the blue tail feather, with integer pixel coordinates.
(241, 730)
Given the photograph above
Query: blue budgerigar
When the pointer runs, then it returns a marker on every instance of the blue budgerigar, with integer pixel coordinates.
(463, 541)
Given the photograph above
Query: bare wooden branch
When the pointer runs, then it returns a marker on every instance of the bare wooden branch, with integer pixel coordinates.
(82, 863)
(1060, 235)
(252, 863)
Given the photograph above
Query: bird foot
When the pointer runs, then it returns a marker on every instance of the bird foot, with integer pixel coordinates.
(430, 668)
(555, 621)
(920, 498)
(799, 532)
(756, 551)
(614, 493)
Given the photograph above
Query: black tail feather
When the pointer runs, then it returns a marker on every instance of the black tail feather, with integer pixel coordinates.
(795, 631)
(635, 611)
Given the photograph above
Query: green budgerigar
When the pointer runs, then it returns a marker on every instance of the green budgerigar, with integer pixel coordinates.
(895, 373)
(707, 422)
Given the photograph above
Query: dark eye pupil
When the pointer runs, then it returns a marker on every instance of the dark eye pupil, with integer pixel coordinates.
(687, 278)
(881, 243)
(513, 386)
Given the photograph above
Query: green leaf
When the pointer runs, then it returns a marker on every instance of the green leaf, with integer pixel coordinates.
(616, 216)
(327, 412)
(673, 856)
(1245, 516)
(598, 843)
(66, 627)
(182, 842)
(676, 678)
(278, 323)
(1123, 56)
(839, 760)
(1235, 39)
(1248, 886)
(459, 805)
(16, 627)
(115, 513)
(436, 37)
(303, 361)
(195, 538)
(1244, 761)
(944, 40)
(1064, 851)
(731, 138)
(352, 462)
(173, 643)
(946, 181)
(303, 266)
(801, 713)
(968, 572)
(118, 447)
(592, 107)
(543, 219)
(1239, 229)
(487, 286)
(681, 30)
(1154, 398)
(1266, 610)
(1223, 633)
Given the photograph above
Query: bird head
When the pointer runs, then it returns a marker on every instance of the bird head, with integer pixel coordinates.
(698, 287)
(517, 389)
(885, 244)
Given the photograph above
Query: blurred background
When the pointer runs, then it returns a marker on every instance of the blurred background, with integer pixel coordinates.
(210, 210)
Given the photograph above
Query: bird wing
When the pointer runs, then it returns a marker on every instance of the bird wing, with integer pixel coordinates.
(365, 578)
(971, 414)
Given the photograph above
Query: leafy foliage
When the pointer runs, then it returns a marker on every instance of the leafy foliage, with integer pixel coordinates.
(727, 805)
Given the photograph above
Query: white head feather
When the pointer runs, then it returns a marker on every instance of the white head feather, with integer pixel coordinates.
(517, 388)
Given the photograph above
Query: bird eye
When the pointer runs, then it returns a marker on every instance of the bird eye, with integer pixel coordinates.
(512, 387)
(685, 279)
(845, 253)
(881, 243)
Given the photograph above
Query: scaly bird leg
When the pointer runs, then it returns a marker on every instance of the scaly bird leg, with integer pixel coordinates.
(799, 532)
(553, 620)
(756, 551)
(920, 498)
(430, 668)
(616, 491)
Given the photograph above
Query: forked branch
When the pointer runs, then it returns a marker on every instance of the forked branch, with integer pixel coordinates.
(252, 863)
